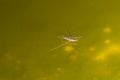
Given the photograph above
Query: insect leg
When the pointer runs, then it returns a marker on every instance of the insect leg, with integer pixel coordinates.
(58, 46)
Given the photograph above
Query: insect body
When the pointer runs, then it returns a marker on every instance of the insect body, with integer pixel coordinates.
(68, 39)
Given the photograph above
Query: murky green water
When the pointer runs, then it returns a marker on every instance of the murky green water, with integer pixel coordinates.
(30, 28)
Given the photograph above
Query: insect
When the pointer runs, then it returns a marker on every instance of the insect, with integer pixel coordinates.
(69, 39)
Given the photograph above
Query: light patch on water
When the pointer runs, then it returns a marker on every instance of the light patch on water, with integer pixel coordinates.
(100, 57)
(107, 41)
(113, 48)
(107, 30)
(108, 52)
(68, 49)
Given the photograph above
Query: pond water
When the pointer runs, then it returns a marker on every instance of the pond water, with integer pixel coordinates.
(29, 29)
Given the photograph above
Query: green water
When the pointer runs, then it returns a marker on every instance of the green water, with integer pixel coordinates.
(30, 28)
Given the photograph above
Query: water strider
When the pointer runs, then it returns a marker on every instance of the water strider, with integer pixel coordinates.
(69, 39)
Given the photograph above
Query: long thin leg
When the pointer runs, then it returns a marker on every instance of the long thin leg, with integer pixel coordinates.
(69, 33)
(58, 46)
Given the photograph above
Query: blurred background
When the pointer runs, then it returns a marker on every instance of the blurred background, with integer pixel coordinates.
(30, 28)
